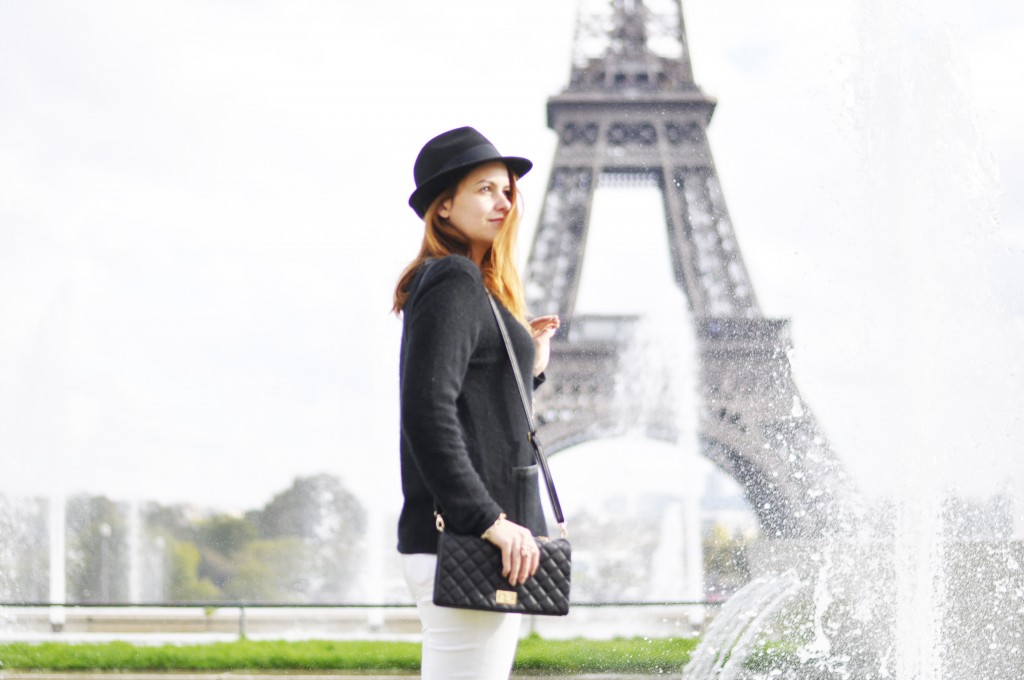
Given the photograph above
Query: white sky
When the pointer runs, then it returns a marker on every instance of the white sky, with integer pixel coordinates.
(203, 212)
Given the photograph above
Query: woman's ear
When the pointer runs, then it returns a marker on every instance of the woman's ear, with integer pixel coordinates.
(445, 209)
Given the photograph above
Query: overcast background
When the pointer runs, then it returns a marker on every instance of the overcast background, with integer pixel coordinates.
(203, 213)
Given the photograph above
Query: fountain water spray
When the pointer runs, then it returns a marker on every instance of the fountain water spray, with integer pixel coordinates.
(903, 593)
(58, 566)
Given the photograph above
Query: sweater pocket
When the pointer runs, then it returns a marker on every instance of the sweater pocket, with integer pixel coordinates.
(528, 510)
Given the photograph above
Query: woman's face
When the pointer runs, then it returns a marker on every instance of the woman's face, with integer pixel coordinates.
(478, 209)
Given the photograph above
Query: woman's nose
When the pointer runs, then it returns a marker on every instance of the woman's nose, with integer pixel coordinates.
(503, 203)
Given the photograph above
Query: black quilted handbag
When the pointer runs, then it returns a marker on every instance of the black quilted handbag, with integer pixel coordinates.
(468, 574)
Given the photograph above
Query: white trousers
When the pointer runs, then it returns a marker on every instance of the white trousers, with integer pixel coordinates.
(459, 643)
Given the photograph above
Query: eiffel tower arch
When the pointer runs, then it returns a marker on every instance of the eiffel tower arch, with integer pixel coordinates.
(632, 111)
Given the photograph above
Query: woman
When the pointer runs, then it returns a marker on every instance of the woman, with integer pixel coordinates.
(464, 446)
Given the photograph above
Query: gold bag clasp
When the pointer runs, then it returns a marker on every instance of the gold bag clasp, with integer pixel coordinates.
(509, 597)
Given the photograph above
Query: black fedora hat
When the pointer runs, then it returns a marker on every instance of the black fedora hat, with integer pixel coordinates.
(445, 158)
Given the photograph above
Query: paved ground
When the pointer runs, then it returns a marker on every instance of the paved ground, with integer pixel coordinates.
(242, 675)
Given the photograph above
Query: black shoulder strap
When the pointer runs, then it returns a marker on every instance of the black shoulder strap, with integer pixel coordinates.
(542, 459)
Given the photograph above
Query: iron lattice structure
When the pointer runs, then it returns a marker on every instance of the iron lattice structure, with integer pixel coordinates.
(632, 111)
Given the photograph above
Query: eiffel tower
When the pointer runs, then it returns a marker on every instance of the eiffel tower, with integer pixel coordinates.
(633, 114)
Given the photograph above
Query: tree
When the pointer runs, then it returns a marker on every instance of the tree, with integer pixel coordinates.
(269, 570)
(97, 553)
(330, 523)
(185, 583)
(303, 546)
(725, 561)
(226, 534)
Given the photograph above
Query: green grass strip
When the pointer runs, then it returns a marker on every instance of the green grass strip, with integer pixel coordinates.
(619, 655)
(242, 654)
(534, 655)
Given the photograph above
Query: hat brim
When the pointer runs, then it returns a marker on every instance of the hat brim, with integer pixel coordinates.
(425, 194)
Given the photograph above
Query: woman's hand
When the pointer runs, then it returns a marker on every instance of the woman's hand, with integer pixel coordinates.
(520, 555)
(542, 329)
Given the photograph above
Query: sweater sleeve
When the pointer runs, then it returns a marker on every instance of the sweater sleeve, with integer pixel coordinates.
(444, 324)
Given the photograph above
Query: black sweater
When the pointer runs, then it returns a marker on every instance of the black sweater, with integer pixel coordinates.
(464, 443)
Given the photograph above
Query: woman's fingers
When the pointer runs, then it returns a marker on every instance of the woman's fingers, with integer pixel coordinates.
(547, 319)
(544, 324)
(520, 556)
(530, 561)
(524, 565)
(517, 566)
(506, 560)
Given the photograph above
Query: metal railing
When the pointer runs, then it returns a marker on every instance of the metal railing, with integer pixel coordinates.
(57, 610)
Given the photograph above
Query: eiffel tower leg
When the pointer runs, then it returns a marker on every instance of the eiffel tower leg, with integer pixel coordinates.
(705, 254)
(756, 427)
(553, 269)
